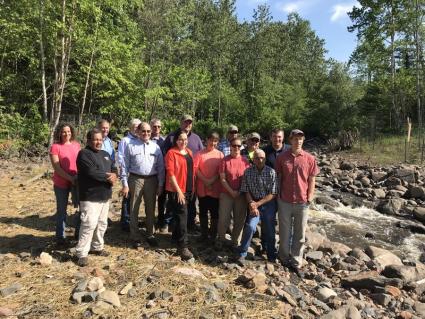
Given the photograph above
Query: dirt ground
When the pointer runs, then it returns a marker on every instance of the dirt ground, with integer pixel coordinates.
(27, 229)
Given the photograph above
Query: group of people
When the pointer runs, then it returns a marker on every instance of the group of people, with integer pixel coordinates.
(236, 187)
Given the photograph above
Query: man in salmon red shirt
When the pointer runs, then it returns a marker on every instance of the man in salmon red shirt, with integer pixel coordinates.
(208, 186)
(297, 172)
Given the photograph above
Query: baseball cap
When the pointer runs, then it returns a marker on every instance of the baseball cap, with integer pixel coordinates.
(186, 117)
(232, 128)
(255, 135)
(296, 132)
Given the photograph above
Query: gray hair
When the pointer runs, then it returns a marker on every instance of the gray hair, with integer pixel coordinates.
(153, 121)
(259, 152)
(134, 122)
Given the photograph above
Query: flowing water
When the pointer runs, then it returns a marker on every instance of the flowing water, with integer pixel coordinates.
(355, 226)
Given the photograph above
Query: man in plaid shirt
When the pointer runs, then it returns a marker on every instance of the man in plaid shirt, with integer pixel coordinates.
(260, 187)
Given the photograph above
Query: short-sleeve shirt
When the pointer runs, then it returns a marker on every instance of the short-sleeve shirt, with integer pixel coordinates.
(259, 184)
(67, 154)
(208, 163)
(233, 168)
(295, 171)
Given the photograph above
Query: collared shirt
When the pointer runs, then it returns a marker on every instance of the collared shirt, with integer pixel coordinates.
(122, 146)
(108, 146)
(233, 168)
(259, 183)
(142, 158)
(208, 163)
(249, 155)
(158, 140)
(224, 147)
(194, 143)
(294, 171)
(272, 154)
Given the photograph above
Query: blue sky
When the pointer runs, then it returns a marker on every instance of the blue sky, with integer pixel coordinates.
(328, 18)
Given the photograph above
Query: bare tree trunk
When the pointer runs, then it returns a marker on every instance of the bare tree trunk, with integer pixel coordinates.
(393, 95)
(42, 59)
(418, 80)
(83, 103)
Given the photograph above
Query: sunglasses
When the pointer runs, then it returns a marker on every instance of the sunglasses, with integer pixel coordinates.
(236, 145)
(255, 140)
(145, 131)
(233, 132)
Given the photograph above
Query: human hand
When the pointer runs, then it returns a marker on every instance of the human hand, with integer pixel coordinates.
(124, 191)
(180, 198)
(111, 177)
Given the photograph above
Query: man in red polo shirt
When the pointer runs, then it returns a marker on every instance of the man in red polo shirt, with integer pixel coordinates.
(297, 172)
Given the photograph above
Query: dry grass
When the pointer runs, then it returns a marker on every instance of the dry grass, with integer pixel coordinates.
(27, 225)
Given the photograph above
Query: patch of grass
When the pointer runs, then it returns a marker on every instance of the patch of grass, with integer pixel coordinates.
(385, 150)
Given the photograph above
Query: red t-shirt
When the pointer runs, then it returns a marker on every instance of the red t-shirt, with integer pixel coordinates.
(295, 171)
(176, 165)
(234, 168)
(67, 154)
(208, 163)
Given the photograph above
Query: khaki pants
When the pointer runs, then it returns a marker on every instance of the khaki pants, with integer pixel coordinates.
(227, 205)
(292, 226)
(146, 188)
(94, 221)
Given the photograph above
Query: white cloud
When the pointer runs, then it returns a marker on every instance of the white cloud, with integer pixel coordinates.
(339, 11)
(295, 6)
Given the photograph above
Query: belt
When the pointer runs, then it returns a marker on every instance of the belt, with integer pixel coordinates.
(144, 176)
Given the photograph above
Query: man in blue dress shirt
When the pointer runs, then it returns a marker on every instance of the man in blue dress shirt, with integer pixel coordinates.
(107, 144)
(142, 174)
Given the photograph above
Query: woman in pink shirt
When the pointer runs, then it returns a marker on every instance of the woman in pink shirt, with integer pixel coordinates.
(208, 186)
(231, 172)
(63, 155)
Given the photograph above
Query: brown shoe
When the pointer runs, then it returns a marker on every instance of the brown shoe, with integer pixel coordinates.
(185, 253)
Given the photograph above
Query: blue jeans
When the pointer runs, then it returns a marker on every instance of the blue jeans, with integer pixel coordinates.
(268, 217)
(125, 212)
(62, 195)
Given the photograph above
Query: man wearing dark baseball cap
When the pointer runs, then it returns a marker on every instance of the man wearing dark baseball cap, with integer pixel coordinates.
(252, 144)
(224, 145)
(297, 172)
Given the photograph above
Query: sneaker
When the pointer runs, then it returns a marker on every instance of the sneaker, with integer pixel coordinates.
(83, 261)
(152, 241)
(185, 253)
(102, 253)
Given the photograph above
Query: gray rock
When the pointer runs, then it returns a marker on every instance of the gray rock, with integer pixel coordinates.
(325, 200)
(101, 307)
(321, 305)
(420, 309)
(369, 280)
(407, 174)
(416, 192)
(95, 284)
(382, 256)
(84, 296)
(324, 294)
(378, 193)
(110, 297)
(392, 182)
(81, 285)
(381, 299)
(378, 176)
(286, 297)
(334, 248)
(359, 254)
(78, 296)
(314, 239)
(10, 290)
(348, 311)
(365, 181)
(390, 206)
(346, 166)
(220, 285)
(314, 255)
(405, 273)
(419, 214)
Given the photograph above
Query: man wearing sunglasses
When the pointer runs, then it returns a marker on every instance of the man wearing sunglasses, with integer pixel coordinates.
(142, 173)
(224, 146)
(253, 143)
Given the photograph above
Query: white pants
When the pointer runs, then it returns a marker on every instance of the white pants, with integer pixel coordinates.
(94, 221)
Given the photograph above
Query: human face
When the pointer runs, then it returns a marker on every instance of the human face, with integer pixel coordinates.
(104, 127)
(212, 143)
(144, 132)
(235, 148)
(66, 134)
(186, 126)
(297, 142)
(253, 144)
(277, 139)
(182, 141)
(156, 128)
(232, 134)
(259, 160)
(96, 142)
(133, 128)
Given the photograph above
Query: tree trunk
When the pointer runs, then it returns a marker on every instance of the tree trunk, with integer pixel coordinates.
(42, 59)
(393, 94)
(418, 69)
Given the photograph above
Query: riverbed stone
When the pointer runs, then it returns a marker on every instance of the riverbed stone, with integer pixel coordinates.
(369, 280)
(325, 293)
(10, 290)
(381, 299)
(95, 284)
(406, 173)
(110, 297)
(382, 256)
(314, 255)
(416, 192)
(419, 214)
(359, 254)
(326, 200)
(390, 206)
(378, 193)
(406, 273)
(314, 239)
(378, 176)
(334, 248)
(420, 309)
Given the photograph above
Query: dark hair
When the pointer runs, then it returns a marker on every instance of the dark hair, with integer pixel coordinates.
(91, 133)
(235, 139)
(177, 135)
(213, 134)
(102, 121)
(58, 130)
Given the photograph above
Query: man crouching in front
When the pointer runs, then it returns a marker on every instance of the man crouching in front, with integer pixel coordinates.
(96, 175)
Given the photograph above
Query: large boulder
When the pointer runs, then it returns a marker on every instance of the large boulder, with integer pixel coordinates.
(314, 239)
(405, 273)
(378, 193)
(369, 280)
(378, 176)
(419, 214)
(326, 200)
(333, 247)
(416, 192)
(390, 206)
(382, 256)
(344, 312)
(406, 173)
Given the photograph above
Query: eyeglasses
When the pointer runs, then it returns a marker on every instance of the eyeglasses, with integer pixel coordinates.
(145, 131)
(255, 140)
(236, 145)
(156, 126)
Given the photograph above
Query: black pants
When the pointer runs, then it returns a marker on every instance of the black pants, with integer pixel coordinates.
(208, 204)
(179, 212)
(162, 202)
(191, 209)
